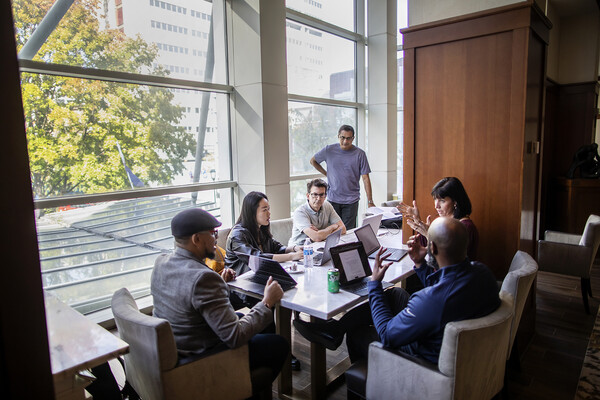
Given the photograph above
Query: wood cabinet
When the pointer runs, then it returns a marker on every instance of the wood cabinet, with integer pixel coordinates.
(570, 203)
(473, 108)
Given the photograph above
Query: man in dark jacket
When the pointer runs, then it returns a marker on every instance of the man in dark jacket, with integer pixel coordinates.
(458, 290)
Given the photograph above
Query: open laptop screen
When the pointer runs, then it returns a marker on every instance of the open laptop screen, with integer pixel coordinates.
(366, 235)
(352, 262)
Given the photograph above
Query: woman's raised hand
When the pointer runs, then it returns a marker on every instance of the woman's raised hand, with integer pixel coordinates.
(418, 225)
(405, 209)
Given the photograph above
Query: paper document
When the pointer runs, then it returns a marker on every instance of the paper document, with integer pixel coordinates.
(388, 212)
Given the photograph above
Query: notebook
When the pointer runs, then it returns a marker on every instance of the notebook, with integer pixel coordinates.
(325, 256)
(261, 269)
(352, 262)
(366, 235)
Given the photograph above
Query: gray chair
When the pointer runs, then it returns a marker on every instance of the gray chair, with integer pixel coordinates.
(471, 364)
(390, 203)
(281, 229)
(151, 365)
(222, 239)
(517, 283)
(574, 255)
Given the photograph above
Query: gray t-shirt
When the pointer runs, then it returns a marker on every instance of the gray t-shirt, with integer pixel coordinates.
(344, 169)
(304, 217)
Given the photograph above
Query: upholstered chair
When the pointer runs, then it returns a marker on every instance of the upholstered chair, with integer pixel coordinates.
(281, 229)
(517, 282)
(569, 254)
(390, 203)
(222, 239)
(152, 369)
(471, 364)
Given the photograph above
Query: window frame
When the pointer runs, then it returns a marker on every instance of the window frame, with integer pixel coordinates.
(360, 45)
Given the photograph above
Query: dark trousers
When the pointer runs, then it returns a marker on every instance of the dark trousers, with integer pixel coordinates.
(358, 323)
(347, 213)
(267, 350)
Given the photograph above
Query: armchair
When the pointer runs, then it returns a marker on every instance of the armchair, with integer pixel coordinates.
(569, 254)
(151, 366)
(471, 364)
(518, 282)
(281, 229)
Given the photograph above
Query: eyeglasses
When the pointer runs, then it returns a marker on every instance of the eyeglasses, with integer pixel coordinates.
(349, 138)
(215, 233)
(317, 195)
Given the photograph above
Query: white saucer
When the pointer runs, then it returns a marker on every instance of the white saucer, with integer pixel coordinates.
(299, 269)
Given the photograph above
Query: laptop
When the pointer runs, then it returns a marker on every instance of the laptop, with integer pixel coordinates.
(366, 235)
(372, 220)
(325, 256)
(352, 262)
(261, 269)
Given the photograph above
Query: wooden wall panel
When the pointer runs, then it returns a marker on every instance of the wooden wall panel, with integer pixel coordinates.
(473, 120)
(462, 129)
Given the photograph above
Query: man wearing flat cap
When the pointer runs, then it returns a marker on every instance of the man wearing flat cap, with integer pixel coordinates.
(195, 299)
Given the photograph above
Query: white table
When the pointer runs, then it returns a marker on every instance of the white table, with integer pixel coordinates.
(76, 344)
(310, 296)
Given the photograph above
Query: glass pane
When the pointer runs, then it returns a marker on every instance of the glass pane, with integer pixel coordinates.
(298, 193)
(402, 18)
(312, 127)
(121, 240)
(320, 64)
(400, 130)
(154, 37)
(88, 136)
(336, 12)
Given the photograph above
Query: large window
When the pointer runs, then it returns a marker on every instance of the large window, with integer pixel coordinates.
(126, 107)
(325, 70)
(402, 15)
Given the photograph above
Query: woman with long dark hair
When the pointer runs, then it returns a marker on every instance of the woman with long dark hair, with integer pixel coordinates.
(251, 235)
(451, 200)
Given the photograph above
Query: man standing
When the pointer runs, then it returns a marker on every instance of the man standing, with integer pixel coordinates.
(458, 290)
(195, 300)
(316, 218)
(346, 163)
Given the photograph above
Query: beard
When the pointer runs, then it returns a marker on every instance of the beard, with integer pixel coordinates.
(431, 259)
(211, 253)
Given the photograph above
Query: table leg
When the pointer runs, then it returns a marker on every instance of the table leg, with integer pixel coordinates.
(283, 317)
(318, 373)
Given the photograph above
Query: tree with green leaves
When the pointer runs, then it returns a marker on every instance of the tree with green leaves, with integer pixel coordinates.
(73, 125)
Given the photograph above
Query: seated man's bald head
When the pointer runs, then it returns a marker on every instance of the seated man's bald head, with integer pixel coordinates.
(450, 237)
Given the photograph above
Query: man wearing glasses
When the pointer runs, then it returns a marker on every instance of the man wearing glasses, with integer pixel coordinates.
(346, 163)
(195, 301)
(316, 218)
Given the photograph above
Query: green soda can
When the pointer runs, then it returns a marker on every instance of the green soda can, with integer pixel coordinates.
(333, 280)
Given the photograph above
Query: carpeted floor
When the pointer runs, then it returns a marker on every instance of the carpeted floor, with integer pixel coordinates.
(589, 381)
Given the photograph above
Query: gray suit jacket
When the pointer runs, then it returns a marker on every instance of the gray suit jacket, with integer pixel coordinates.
(195, 301)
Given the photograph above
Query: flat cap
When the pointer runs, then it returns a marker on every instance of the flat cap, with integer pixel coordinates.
(192, 220)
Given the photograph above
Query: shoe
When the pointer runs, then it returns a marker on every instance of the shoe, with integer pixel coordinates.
(295, 364)
(326, 333)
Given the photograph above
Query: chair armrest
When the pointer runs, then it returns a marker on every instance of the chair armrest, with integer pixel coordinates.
(394, 374)
(563, 258)
(561, 237)
(211, 377)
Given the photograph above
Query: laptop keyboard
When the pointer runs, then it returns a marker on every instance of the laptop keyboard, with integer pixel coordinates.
(262, 281)
(357, 288)
(256, 279)
(360, 288)
(395, 254)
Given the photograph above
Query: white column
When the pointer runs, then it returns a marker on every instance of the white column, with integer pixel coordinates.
(260, 140)
(382, 98)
